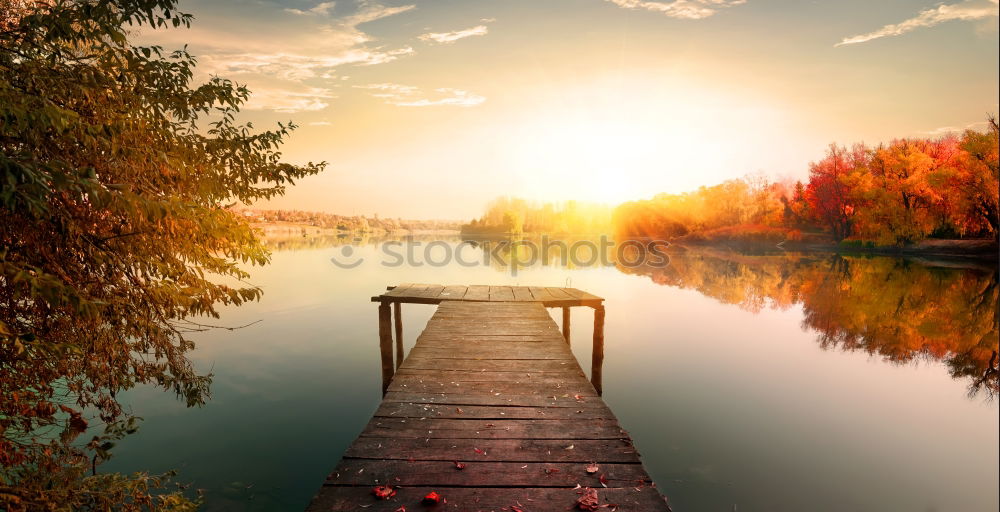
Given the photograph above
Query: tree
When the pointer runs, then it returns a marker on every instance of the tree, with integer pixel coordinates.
(976, 184)
(114, 230)
(829, 191)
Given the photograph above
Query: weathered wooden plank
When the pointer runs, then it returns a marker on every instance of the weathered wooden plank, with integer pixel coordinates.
(453, 292)
(493, 353)
(522, 294)
(437, 428)
(559, 293)
(463, 399)
(363, 472)
(531, 499)
(498, 365)
(415, 385)
(417, 410)
(501, 293)
(492, 376)
(495, 450)
(582, 295)
(477, 292)
(540, 294)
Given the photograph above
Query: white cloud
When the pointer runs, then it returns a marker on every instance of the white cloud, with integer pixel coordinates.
(292, 100)
(945, 130)
(682, 9)
(968, 10)
(296, 67)
(301, 55)
(410, 96)
(451, 37)
(320, 123)
(321, 8)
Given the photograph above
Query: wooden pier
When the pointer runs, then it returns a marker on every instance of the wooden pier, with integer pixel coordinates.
(491, 411)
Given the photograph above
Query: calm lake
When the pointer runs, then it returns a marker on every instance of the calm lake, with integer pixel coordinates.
(780, 382)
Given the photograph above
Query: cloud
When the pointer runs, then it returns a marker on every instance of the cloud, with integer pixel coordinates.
(968, 10)
(681, 9)
(288, 101)
(302, 55)
(451, 37)
(296, 67)
(410, 96)
(320, 123)
(946, 130)
(321, 8)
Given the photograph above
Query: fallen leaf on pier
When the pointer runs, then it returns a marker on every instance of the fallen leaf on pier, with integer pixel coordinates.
(549, 471)
(603, 480)
(480, 452)
(383, 492)
(592, 468)
(588, 501)
(433, 498)
(401, 509)
(459, 465)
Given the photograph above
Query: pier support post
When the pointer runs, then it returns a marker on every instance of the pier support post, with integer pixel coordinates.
(398, 321)
(597, 356)
(565, 324)
(385, 343)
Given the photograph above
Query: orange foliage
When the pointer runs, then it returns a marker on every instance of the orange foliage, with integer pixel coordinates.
(893, 194)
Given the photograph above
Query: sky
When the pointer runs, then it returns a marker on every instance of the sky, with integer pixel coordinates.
(431, 108)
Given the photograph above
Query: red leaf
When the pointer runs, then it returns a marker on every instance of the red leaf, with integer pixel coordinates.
(592, 468)
(383, 492)
(588, 501)
(431, 499)
(401, 509)
(480, 452)
(603, 480)
(459, 465)
(549, 471)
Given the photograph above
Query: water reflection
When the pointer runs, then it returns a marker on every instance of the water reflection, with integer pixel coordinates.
(900, 310)
(897, 309)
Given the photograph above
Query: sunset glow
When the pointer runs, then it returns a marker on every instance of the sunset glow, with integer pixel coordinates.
(586, 99)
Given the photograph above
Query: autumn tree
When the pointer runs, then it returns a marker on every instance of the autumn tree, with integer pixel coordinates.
(975, 183)
(829, 191)
(116, 170)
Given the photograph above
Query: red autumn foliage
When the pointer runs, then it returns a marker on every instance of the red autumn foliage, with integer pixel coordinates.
(432, 498)
(459, 465)
(383, 492)
(896, 193)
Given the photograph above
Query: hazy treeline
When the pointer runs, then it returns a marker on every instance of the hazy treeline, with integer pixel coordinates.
(510, 215)
(355, 223)
(890, 194)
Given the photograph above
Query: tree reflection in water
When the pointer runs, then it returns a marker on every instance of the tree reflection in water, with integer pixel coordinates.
(901, 310)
